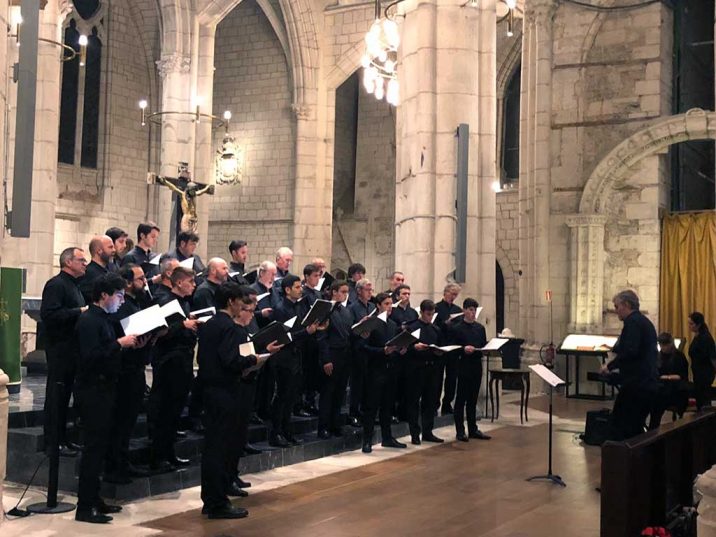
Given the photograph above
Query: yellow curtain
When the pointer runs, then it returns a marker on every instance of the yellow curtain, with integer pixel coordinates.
(688, 271)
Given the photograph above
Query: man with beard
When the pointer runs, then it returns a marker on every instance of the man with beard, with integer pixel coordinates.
(119, 238)
(101, 249)
(217, 272)
(131, 380)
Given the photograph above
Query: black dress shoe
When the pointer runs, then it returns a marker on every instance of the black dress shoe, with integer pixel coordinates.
(337, 433)
(415, 440)
(432, 438)
(446, 409)
(181, 434)
(179, 462)
(293, 440)
(255, 420)
(66, 451)
(367, 447)
(392, 443)
(241, 483)
(74, 445)
(301, 413)
(323, 434)
(394, 420)
(277, 440)
(353, 421)
(227, 512)
(480, 435)
(107, 509)
(117, 479)
(234, 490)
(462, 437)
(93, 516)
(251, 450)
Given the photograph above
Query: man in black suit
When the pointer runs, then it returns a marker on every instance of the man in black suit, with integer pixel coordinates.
(445, 308)
(187, 241)
(636, 358)
(119, 238)
(62, 303)
(239, 251)
(142, 253)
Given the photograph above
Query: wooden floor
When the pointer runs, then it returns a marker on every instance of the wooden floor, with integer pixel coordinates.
(477, 488)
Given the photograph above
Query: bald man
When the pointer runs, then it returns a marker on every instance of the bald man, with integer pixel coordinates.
(217, 273)
(101, 248)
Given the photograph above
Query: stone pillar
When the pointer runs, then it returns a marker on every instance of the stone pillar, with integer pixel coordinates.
(706, 486)
(4, 409)
(36, 252)
(177, 131)
(313, 195)
(447, 73)
(203, 170)
(586, 263)
(535, 170)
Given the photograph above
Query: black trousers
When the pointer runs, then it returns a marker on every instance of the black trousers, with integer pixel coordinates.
(423, 377)
(196, 405)
(668, 396)
(380, 379)
(221, 444)
(61, 367)
(357, 382)
(311, 372)
(702, 389)
(631, 408)
(287, 372)
(451, 378)
(469, 377)
(128, 404)
(333, 388)
(96, 402)
(401, 390)
(170, 387)
(264, 391)
(246, 394)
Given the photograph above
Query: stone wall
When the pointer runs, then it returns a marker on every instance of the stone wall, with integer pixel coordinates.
(507, 251)
(116, 193)
(252, 81)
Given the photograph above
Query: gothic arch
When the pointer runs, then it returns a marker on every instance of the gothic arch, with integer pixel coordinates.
(507, 67)
(177, 26)
(345, 67)
(696, 124)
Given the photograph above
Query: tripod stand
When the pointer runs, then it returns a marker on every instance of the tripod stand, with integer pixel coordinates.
(557, 480)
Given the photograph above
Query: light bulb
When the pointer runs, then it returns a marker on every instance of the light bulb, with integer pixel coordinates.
(83, 40)
(227, 115)
(368, 84)
(379, 93)
(393, 93)
(365, 61)
(382, 55)
(496, 186)
(143, 104)
(512, 4)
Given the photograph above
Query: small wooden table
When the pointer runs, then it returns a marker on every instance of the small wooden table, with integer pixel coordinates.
(498, 374)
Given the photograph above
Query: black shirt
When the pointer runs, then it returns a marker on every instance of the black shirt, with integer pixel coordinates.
(636, 353)
(374, 345)
(197, 265)
(703, 354)
(179, 341)
(444, 310)
(674, 364)
(238, 268)
(99, 353)
(430, 335)
(141, 257)
(60, 309)
(360, 310)
(464, 334)
(204, 295)
(337, 335)
(93, 272)
(264, 303)
(403, 317)
(220, 362)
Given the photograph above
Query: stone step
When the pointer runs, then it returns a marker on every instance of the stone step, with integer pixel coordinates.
(21, 464)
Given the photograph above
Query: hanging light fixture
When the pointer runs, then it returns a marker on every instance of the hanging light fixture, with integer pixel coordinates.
(509, 15)
(380, 60)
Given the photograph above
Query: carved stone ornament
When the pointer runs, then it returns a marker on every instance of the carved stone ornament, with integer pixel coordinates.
(540, 12)
(173, 63)
(302, 111)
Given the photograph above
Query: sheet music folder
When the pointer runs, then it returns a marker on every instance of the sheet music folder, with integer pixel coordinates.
(320, 311)
(548, 376)
(404, 339)
(273, 331)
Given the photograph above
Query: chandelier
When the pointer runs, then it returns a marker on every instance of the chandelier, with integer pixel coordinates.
(380, 60)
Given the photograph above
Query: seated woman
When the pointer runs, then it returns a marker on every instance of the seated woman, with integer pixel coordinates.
(673, 380)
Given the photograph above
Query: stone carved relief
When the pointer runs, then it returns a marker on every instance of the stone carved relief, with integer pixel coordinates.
(173, 63)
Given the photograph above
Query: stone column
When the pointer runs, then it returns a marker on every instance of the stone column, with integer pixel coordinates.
(586, 260)
(4, 408)
(447, 74)
(36, 252)
(177, 131)
(203, 169)
(313, 197)
(535, 170)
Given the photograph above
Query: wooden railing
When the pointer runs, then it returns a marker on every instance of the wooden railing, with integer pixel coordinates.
(647, 476)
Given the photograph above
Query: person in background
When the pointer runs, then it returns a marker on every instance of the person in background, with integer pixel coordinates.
(703, 356)
(673, 376)
(119, 238)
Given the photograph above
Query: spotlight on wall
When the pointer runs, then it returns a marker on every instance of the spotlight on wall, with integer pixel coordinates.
(496, 186)
(83, 50)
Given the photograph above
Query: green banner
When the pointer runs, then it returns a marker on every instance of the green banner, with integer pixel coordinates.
(10, 318)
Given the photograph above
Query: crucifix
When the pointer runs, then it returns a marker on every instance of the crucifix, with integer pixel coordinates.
(186, 191)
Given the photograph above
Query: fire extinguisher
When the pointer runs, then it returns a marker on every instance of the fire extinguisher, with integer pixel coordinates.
(546, 355)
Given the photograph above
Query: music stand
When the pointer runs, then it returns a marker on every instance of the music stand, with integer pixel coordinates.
(553, 381)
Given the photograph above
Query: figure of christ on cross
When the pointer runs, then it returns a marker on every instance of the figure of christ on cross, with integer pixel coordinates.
(187, 191)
